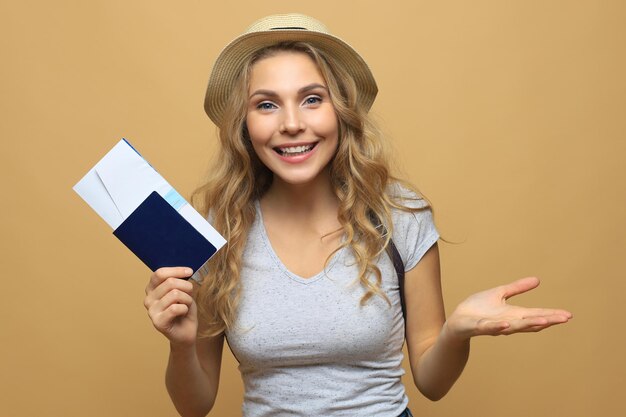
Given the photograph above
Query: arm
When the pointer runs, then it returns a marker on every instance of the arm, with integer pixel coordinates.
(438, 349)
(436, 359)
(192, 375)
(193, 370)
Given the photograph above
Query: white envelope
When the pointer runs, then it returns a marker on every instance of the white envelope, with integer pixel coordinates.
(123, 179)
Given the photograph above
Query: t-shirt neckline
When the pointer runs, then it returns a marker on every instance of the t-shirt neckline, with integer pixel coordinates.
(280, 264)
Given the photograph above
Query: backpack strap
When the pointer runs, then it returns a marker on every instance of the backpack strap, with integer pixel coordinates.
(396, 259)
(398, 265)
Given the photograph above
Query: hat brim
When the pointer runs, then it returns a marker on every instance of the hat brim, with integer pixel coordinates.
(229, 63)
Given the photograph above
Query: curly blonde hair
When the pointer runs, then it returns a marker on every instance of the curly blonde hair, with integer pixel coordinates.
(360, 177)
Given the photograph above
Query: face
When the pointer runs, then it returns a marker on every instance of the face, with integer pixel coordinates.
(291, 120)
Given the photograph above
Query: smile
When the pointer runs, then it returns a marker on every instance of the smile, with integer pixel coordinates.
(295, 150)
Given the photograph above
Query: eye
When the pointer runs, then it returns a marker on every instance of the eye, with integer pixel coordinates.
(266, 105)
(312, 100)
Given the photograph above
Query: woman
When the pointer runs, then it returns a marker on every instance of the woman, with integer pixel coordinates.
(304, 292)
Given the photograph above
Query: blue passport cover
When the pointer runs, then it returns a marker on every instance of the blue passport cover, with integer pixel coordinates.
(160, 236)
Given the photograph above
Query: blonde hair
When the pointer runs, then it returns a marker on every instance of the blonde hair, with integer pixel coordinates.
(360, 178)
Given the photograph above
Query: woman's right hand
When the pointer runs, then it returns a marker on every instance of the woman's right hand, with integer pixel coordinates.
(171, 306)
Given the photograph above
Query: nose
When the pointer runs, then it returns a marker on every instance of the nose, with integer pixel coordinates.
(291, 122)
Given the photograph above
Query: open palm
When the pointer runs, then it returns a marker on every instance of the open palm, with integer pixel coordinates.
(488, 313)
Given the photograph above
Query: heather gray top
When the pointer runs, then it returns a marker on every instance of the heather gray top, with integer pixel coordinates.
(306, 347)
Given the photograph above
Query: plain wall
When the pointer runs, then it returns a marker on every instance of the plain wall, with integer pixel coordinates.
(508, 115)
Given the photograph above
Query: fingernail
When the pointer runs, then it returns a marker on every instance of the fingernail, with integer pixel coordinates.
(188, 271)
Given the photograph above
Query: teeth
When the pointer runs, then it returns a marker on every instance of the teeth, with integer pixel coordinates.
(296, 149)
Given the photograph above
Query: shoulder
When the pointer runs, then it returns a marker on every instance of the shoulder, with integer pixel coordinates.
(414, 230)
(407, 197)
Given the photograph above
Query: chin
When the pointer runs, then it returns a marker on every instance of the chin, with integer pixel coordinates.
(302, 178)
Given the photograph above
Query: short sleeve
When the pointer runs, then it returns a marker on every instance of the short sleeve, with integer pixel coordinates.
(414, 232)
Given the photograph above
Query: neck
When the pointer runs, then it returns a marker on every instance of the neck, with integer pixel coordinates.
(302, 200)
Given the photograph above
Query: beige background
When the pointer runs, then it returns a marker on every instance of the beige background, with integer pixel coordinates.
(509, 115)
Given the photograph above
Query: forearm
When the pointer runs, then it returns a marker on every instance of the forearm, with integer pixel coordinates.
(189, 386)
(441, 365)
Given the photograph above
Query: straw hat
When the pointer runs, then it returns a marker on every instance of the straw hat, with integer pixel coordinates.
(281, 28)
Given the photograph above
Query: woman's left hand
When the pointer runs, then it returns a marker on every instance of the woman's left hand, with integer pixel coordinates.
(487, 313)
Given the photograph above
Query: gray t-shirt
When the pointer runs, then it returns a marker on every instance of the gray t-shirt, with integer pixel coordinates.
(306, 347)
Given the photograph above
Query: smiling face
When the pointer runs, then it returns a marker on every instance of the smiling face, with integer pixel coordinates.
(290, 118)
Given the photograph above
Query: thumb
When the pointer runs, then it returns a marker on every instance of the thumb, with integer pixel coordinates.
(520, 286)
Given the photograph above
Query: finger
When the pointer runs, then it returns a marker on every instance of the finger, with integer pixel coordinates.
(173, 297)
(487, 327)
(164, 319)
(162, 274)
(546, 312)
(534, 324)
(531, 329)
(558, 319)
(520, 286)
(165, 287)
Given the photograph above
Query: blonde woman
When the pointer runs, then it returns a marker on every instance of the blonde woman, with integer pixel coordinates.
(305, 292)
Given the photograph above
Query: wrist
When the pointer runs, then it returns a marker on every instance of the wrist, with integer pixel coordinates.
(182, 348)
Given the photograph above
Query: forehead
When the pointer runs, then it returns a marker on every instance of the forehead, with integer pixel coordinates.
(283, 69)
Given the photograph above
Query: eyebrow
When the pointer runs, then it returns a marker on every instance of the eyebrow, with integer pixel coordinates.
(304, 89)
